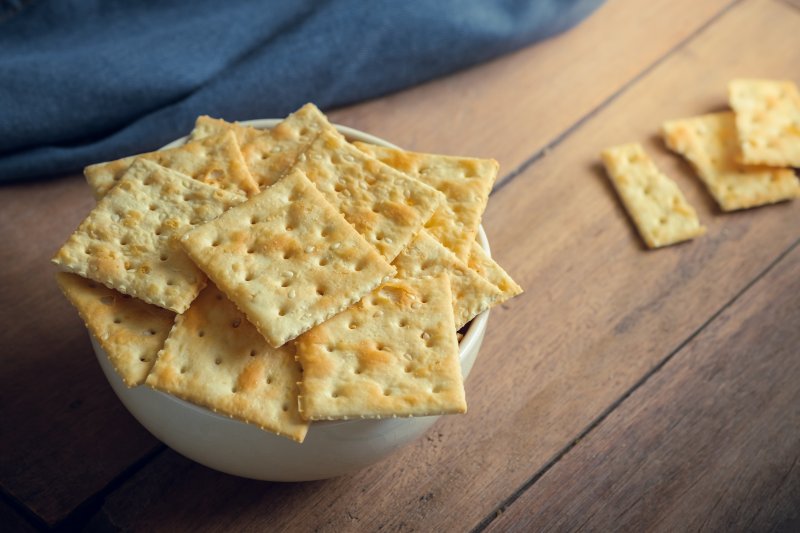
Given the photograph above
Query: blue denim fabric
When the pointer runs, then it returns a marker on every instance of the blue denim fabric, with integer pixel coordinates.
(93, 80)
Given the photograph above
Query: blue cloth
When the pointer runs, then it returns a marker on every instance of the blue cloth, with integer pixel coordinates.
(83, 81)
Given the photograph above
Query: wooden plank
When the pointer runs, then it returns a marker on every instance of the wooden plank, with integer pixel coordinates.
(64, 434)
(598, 314)
(513, 107)
(709, 443)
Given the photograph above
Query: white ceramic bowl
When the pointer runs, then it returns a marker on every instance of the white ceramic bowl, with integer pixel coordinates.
(330, 448)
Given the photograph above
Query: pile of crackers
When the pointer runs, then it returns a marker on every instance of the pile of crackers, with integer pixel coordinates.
(743, 157)
(284, 276)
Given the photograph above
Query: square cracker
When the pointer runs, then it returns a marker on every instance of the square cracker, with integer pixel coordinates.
(386, 206)
(215, 358)
(215, 160)
(287, 259)
(130, 331)
(488, 269)
(426, 257)
(465, 182)
(767, 120)
(128, 240)
(395, 353)
(655, 203)
(269, 154)
(710, 144)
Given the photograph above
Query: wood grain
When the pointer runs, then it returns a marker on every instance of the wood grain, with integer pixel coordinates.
(599, 313)
(64, 434)
(513, 107)
(711, 442)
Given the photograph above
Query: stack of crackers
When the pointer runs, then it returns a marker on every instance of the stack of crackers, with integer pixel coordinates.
(284, 276)
(743, 157)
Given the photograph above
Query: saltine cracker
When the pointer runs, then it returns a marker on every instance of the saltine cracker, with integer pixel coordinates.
(130, 331)
(655, 203)
(215, 358)
(395, 353)
(128, 241)
(711, 145)
(287, 259)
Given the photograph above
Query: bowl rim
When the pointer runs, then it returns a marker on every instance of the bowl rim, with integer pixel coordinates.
(478, 323)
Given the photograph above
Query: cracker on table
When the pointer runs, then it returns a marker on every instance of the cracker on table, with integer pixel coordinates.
(215, 358)
(710, 144)
(269, 154)
(215, 160)
(395, 353)
(130, 331)
(767, 121)
(128, 241)
(465, 182)
(386, 206)
(287, 259)
(488, 269)
(426, 257)
(655, 203)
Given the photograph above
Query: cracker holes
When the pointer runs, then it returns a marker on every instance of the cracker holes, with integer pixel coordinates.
(323, 261)
(117, 320)
(184, 369)
(143, 359)
(408, 369)
(338, 187)
(87, 251)
(361, 265)
(218, 361)
(152, 207)
(282, 311)
(662, 220)
(151, 332)
(253, 353)
(269, 380)
(170, 282)
(285, 283)
(403, 323)
(253, 220)
(249, 276)
(285, 408)
(321, 291)
(289, 227)
(219, 297)
(163, 257)
(353, 325)
(215, 243)
(236, 323)
(287, 254)
(201, 333)
(387, 392)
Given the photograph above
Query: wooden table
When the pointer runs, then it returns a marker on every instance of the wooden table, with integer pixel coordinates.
(626, 389)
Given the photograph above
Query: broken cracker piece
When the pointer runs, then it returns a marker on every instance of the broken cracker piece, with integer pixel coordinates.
(127, 242)
(655, 203)
(129, 330)
(215, 358)
(395, 353)
(711, 145)
(287, 259)
(767, 121)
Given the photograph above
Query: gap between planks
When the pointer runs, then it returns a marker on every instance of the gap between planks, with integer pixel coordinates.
(561, 137)
(483, 524)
